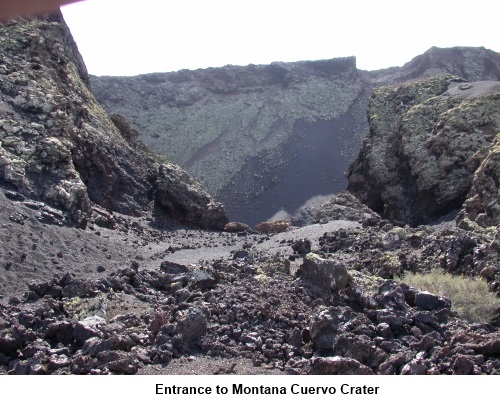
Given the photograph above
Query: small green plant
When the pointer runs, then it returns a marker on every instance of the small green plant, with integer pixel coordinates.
(470, 297)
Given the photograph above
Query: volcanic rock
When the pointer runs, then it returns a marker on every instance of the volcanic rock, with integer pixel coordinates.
(57, 145)
(428, 301)
(482, 204)
(87, 328)
(273, 226)
(174, 299)
(192, 325)
(265, 139)
(426, 141)
(345, 206)
(338, 366)
(323, 273)
(236, 227)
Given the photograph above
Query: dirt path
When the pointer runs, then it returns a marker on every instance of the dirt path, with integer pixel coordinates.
(33, 250)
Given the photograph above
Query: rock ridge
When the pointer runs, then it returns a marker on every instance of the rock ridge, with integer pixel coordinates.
(426, 141)
(254, 135)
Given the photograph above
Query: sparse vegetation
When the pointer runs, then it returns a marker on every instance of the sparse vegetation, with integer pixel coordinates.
(470, 297)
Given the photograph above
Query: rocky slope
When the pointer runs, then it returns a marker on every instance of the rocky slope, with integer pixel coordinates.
(426, 141)
(482, 204)
(58, 146)
(265, 139)
(472, 64)
(313, 300)
(253, 135)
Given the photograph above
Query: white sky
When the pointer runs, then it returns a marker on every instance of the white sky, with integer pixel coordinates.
(129, 37)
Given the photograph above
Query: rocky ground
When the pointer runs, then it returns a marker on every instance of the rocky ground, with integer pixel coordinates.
(319, 299)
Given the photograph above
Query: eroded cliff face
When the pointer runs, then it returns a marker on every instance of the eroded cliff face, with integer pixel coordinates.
(57, 144)
(427, 139)
(265, 139)
(483, 201)
(261, 138)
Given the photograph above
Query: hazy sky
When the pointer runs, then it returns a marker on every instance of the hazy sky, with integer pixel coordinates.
(125, 37)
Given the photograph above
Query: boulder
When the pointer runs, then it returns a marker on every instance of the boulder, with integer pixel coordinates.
(159, 319)
(325, 324)
(345, 206)
(359, 348)
(463, 365)
(323, 273)
(60, 331)
(235, 227)
(9, 343)
(338, 366)
(487, 345)
(302, 246)
(394, 238)
(415, 367)
(87, 328)
(430, 302)
(192, 325)
(273, 226)
(58, 361)
(119, 362)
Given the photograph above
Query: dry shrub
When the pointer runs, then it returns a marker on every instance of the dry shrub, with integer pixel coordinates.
(470, 297)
